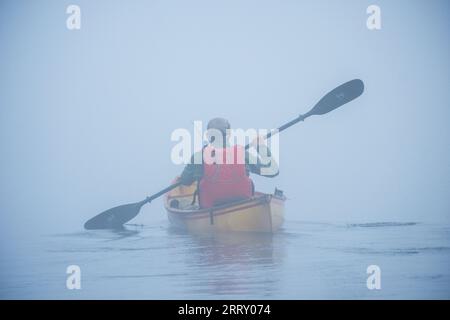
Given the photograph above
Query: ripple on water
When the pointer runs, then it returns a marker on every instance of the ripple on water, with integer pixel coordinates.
(381, 224)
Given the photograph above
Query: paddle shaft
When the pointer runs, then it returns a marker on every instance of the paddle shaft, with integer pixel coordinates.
(283, 127)
(332, 100)
(163, 191)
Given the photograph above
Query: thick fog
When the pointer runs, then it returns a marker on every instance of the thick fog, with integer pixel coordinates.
(86, 115)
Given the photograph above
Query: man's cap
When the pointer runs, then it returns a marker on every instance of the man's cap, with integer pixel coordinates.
(220, 124)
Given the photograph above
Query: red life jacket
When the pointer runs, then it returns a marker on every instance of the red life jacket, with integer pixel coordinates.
(225, 181)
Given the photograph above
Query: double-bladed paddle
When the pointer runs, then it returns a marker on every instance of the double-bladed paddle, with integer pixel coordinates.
(115, 218)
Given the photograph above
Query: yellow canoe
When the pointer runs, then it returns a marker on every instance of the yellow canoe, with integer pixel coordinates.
(261, 213)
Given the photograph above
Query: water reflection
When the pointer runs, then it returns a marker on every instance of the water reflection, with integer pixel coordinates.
(306, 260)
(169, 263)
(230, 264)
(117, 234)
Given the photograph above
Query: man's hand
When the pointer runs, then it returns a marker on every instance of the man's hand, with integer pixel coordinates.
(258, 141)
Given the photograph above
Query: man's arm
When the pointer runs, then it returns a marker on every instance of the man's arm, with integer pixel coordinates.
(262, 163)
(191, 173)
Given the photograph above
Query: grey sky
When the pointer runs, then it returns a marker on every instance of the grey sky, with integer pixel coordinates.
(86, 116)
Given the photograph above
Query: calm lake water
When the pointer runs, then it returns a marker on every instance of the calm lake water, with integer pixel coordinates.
(306, 260)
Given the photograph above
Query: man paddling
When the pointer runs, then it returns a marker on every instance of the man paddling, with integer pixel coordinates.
(115, 217)
(222, 178)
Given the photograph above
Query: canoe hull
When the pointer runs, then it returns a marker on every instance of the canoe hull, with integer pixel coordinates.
(261, 213)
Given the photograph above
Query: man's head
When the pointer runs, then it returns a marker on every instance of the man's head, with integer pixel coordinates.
(217, 125)
(220, 124)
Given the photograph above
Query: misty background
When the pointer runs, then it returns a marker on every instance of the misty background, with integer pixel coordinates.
(86, 115)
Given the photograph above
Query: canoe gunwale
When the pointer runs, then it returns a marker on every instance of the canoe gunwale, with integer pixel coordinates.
(261, 199)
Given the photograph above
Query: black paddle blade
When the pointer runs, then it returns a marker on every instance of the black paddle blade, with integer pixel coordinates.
(114, 218)
(338, 97)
